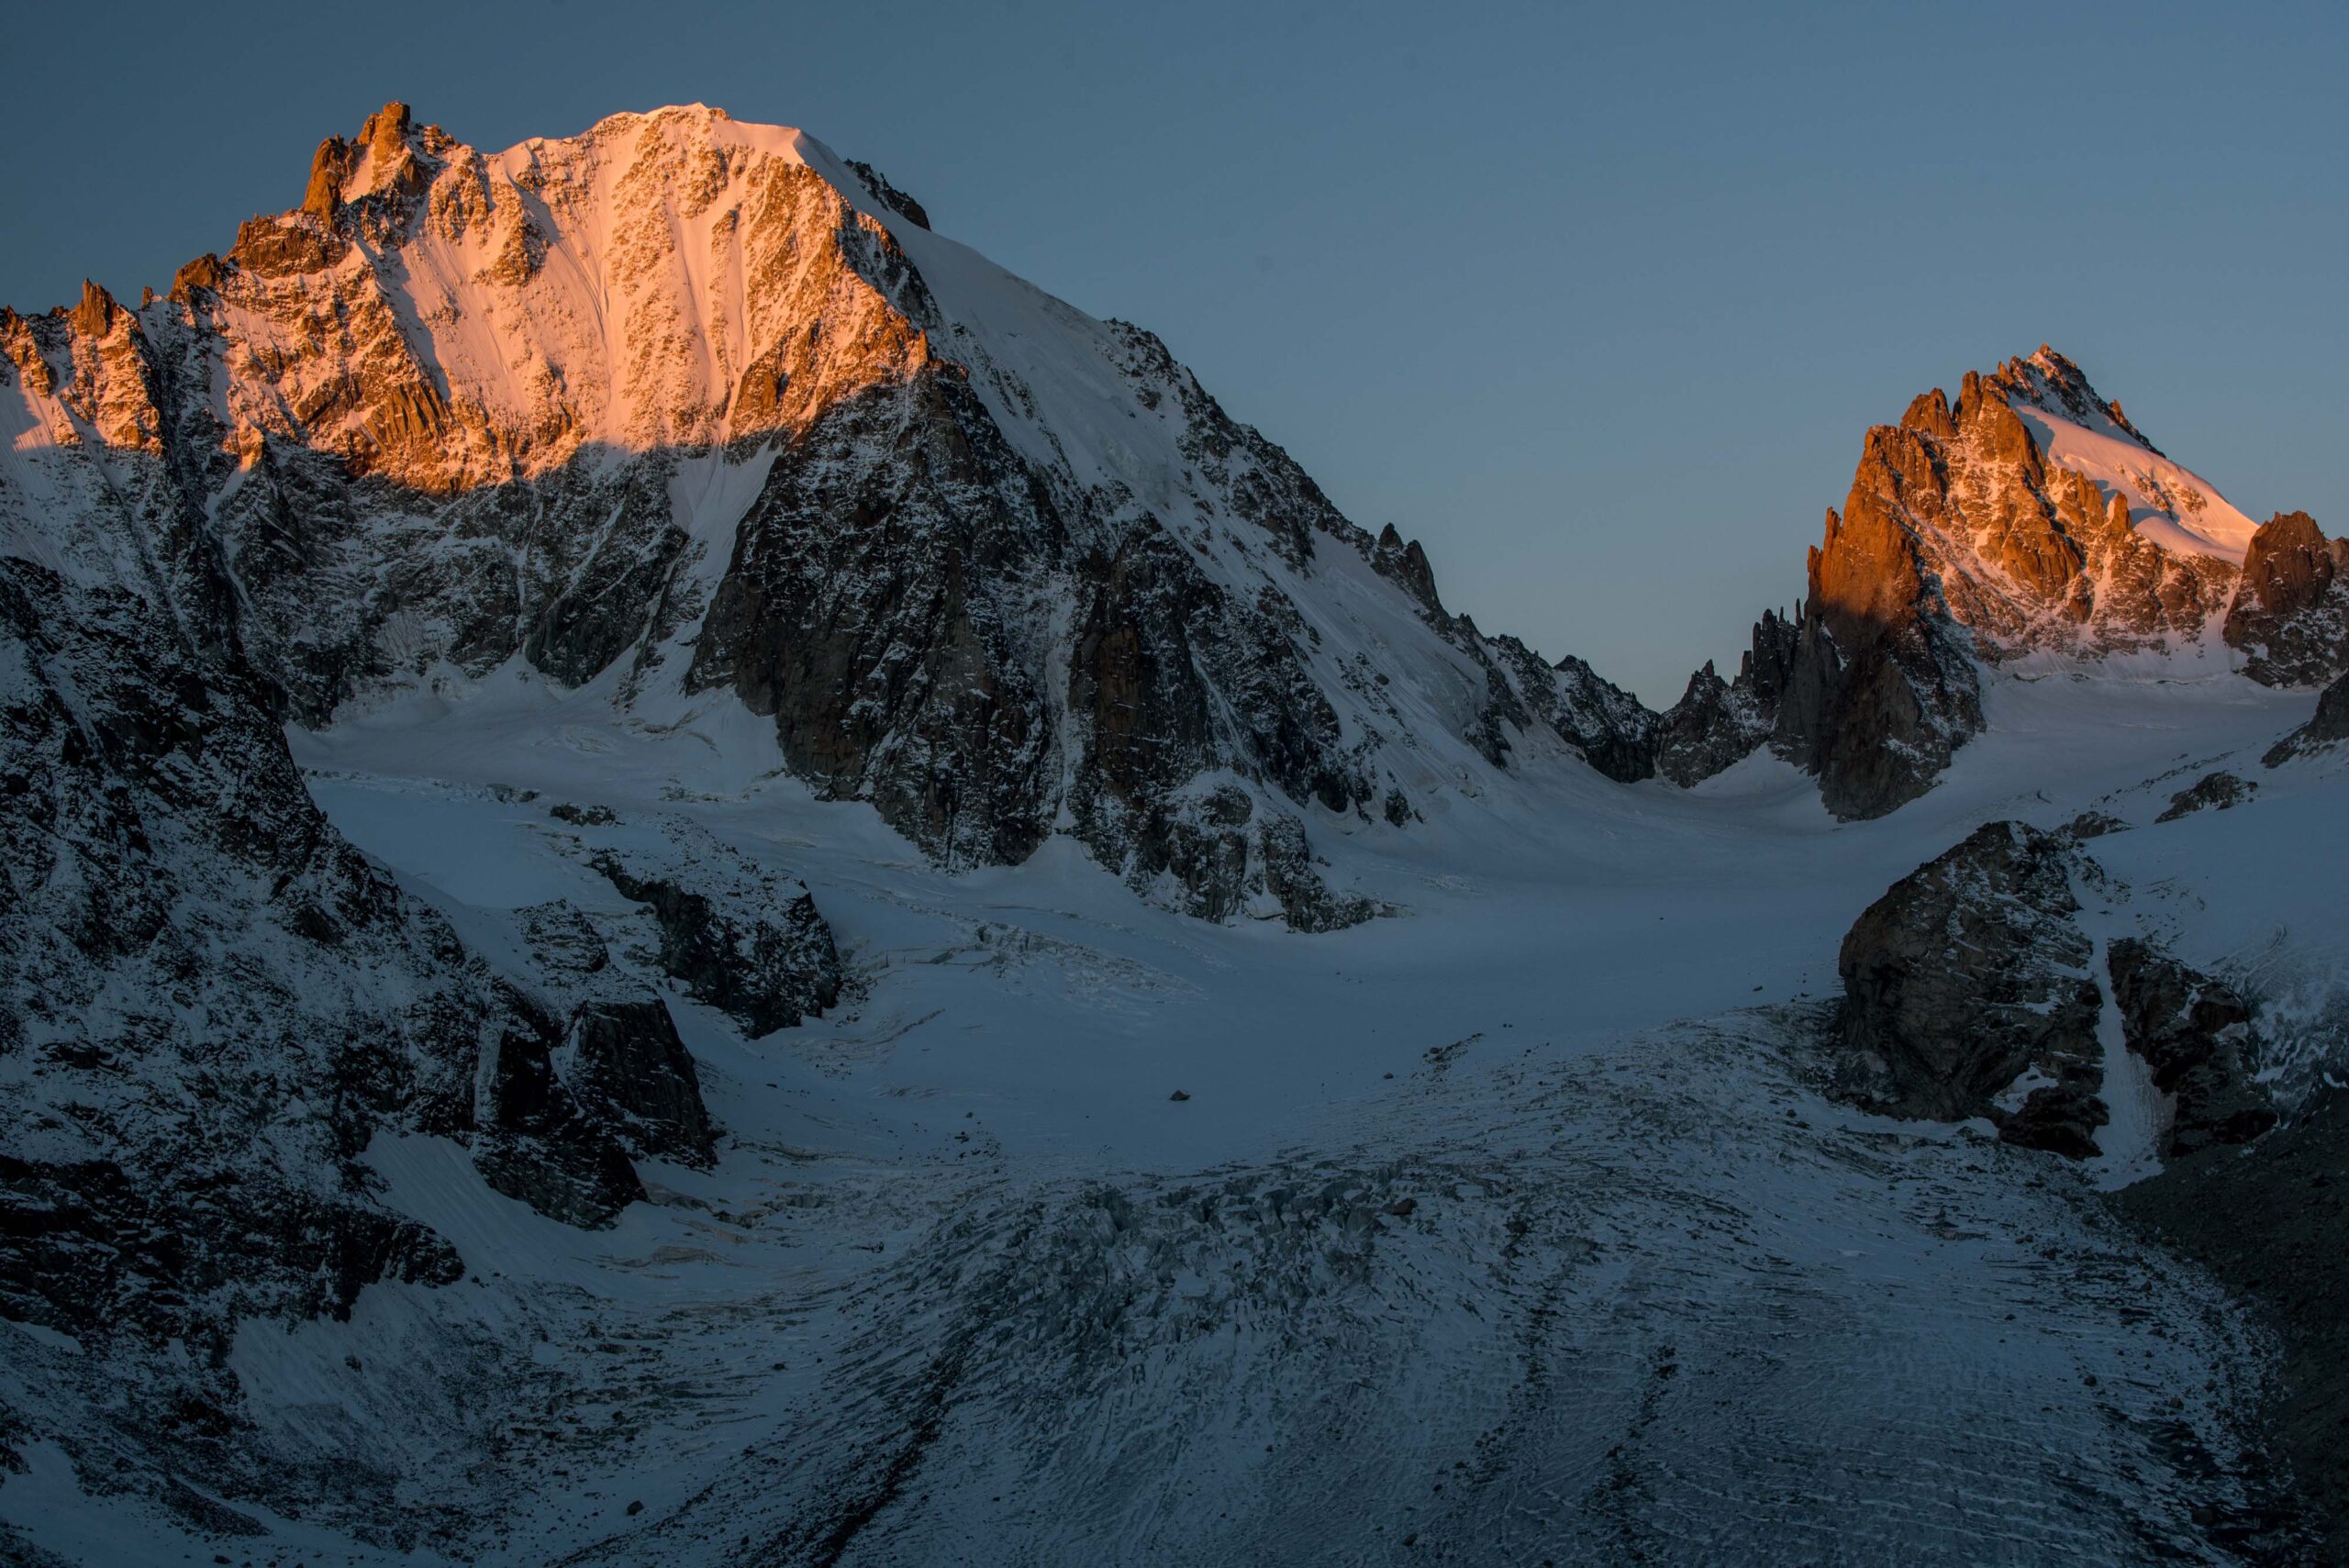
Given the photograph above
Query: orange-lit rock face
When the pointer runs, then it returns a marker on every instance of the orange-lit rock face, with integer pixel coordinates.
(433, 419)
(1866, 572)
(2026, 553)
(2290, 616)
(445, 318)
(2028, 517)
(87, 373)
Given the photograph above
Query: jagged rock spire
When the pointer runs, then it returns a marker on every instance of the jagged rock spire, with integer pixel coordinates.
(2027, 517)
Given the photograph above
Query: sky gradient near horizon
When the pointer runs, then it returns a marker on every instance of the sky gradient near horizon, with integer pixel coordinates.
(1595, 301)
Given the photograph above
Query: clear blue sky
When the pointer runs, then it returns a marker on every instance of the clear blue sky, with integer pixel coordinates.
(1597, 301)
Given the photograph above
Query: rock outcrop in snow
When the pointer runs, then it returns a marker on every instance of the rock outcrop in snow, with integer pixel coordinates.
(763, 956)
(211, 1006)
(1971, 977)
(2327, 729)
(1972, 989)
(2220, 791)
(2196, 1035)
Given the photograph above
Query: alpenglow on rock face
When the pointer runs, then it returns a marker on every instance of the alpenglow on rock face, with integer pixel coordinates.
(2027, 517)
(688, 406)
(2291, 613)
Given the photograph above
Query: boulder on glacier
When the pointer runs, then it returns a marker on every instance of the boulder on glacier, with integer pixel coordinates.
(763, 956)
(1969, 974)
(1971, 989)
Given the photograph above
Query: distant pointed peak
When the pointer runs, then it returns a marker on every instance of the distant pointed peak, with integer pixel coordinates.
(1929, 412)
(1407, 563)
(322, 197)
(386, 130)
(206, 271)
(389, 155)
(2055, 383)
(95, 316)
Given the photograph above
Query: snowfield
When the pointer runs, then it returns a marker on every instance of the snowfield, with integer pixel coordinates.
(1512, 1227)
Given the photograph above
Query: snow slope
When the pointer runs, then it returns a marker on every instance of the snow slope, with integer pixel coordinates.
(1512, 1227)
(2172, 506)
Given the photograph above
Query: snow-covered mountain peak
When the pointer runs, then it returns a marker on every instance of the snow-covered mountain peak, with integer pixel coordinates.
(2028, 521)
(448, 318)
(700, 410)
(686, 127)
(2077, 429)
(2055, 384)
